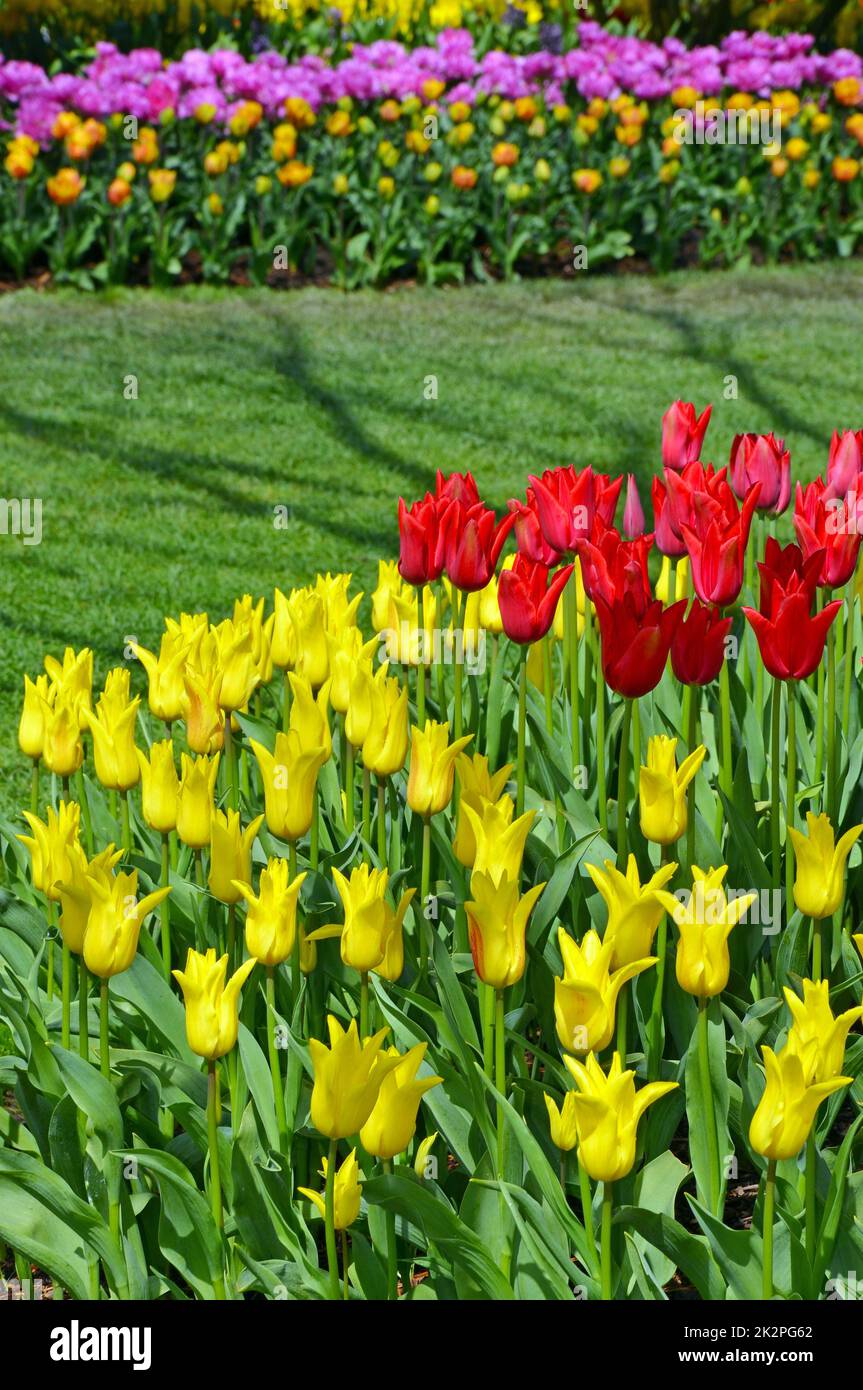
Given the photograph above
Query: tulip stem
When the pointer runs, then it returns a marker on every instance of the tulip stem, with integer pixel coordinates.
(622, 1022)
(231, 763)
(34, 788)
(346, 1267)
(286, 703)
(691, 741)
(126, 829)
(500, 1076)
(811, 1162)
(819, 714)
(421, 693)
(767, 1233)
(709, 1109)
(367, 812)
(215, 1177)
(522, 729)
(776, 709)
(572, 643)
(296, 967)
(83, 1008)
(654, 1064)
(486, 1003)
(547, 689)
(392, 1253)
(790, 793)
(66, 1027)
(330, 1221)
(588, 679)
(104, 1043)
(817, 949)
(832, 788)
(587, 1215)
(275, 1069)
(601, 785)
(349, 787)
(364, 1005)
(382, 822)
(164, 909)
(425, 877)
(605, 1258)
(636, 747)
(458, 652)
(849, 661)
(725, 778)
(623, 787)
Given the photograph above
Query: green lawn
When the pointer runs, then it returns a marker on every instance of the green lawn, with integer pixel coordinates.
(314, 400)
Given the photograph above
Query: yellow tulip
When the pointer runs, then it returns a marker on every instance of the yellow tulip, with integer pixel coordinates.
(114, 922)
(195, 806)
(51, 846)
(499, 840)
(113, 729)
(340, 611)
(346, 650)
(585, 997)
(358, 717)
(308, 615)
(165, 674)
(284, 647)
(38, 700)
(76, 894)
(290, 778)
(662, 789)
(372, 934)
(348, 1076)
(489, 609)
(410, 627)
(308, 716)
(814, 1023)
(230, 854)
(73, 678)
(421, 1158)
(607, 1112)
(62, 750)
(390, 585)
(670, 592)
(562, 1122)
(271, 920)
(348, 1192)
(392, 1124)
(202, 711)
(212, 1006)
(308, 953)
(497, 923)
(432, 767)
(705, 923)
(477, 788)
(786, 1111)
(634, 909)
(819, 882)
(385, 745)
(160, 787)
(236, 660)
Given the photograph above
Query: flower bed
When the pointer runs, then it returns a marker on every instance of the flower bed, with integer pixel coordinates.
(527, 915)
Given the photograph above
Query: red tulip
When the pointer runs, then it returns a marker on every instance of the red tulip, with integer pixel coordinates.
(693, 490)
(457, 487)
(611, 567)
(845, 463)
(568, 502)
(717, 545)
(633, 512)
(790, 638)
(635, 645)
(528, 532)
(683, 434)
(418, 533)
(698, 645)
(470, 540)
(827, 524)
(526, 605)
(761, 459)
(668, 541)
